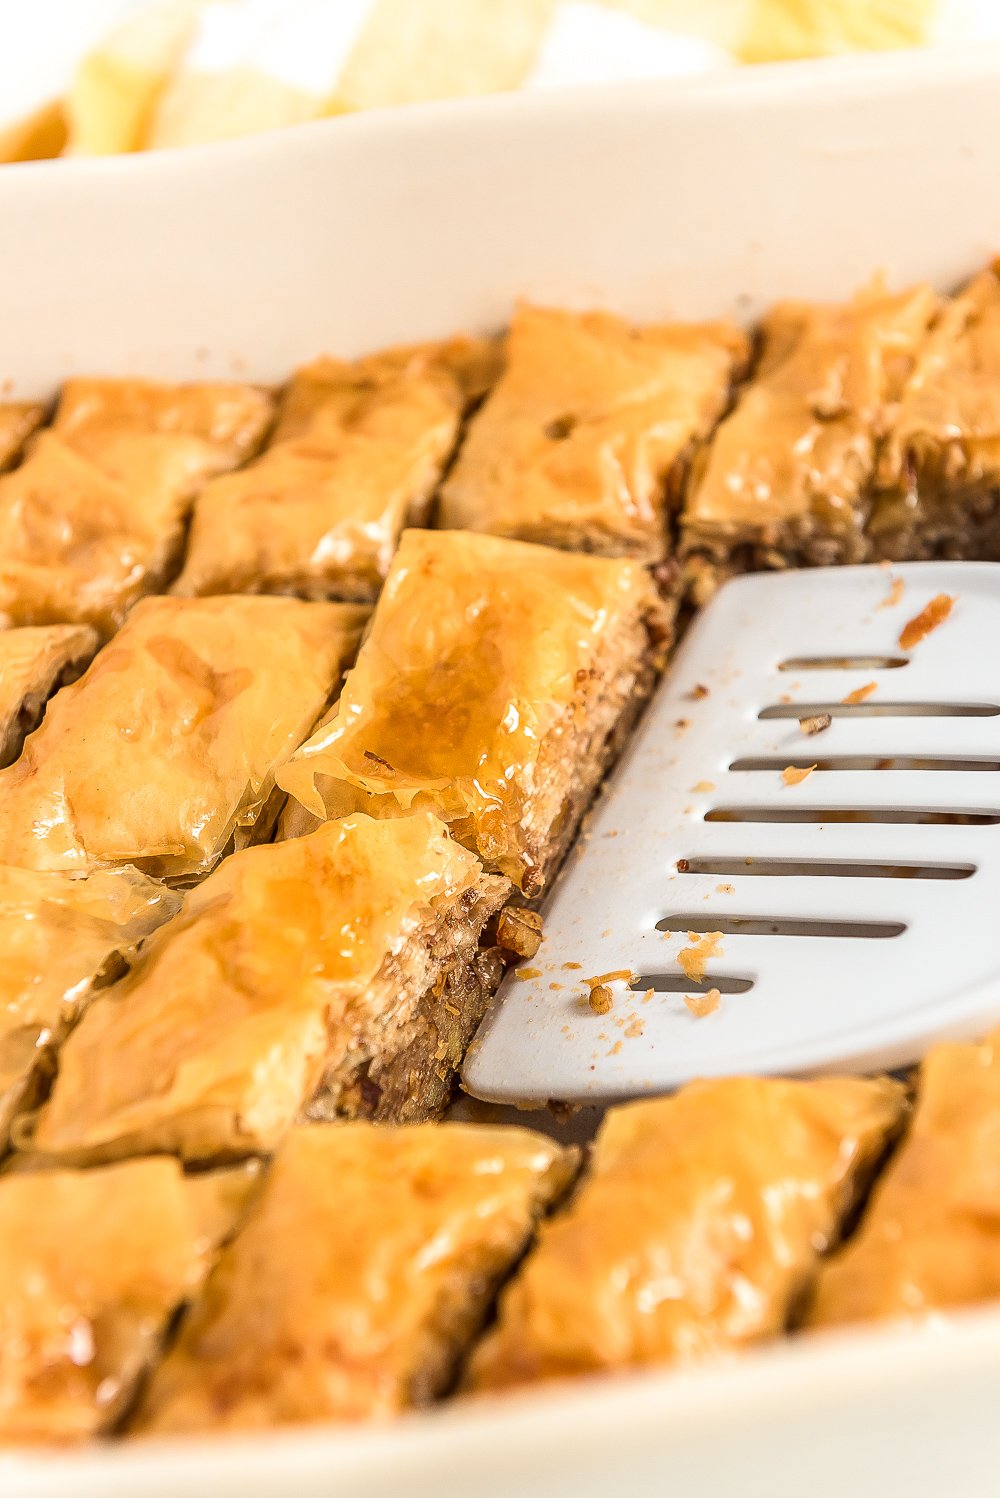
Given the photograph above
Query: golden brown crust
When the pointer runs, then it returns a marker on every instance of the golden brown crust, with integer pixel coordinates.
(577, 445)
(34, 661)
(93, 1265)
(368, 1263)
(786, 477)
(169, 741)
(93, 518)
(489, 687)
(356, 455)
(698, 1225)
(61, 937)
(292, 968)
(930, 1238)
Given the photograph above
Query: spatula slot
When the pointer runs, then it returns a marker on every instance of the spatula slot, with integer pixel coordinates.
(867, 762)
(843, 663)
(780, 925)
(791, 868)
(914, 816)
(880, 710)
(678, 983)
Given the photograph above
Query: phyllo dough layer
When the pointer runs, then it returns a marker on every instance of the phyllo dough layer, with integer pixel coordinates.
(786, 478)
(368, 1264)
(930, 1237)
(94, 516)
(582, 443)
(939, 475)
(357, 453)
(697, 1228)
(93, 1266)
(34, 661)
(18, 419)
(167, 746)
(61, 938)
(494, 684)
(296, 968)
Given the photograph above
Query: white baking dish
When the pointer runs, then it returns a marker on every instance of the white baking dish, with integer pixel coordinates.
(705, 197)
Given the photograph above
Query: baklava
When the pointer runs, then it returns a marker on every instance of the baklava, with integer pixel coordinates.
(584, 442)
(93, 1265)
(366, 1267)
(356, 455)
(326, 971)
(164, 751)
(18, 419)
(94, 517)
(938, 480)
(930, 1238)
(34, 662)
(62, 938)
(696, 1230)
(786, 480)
(495, 683)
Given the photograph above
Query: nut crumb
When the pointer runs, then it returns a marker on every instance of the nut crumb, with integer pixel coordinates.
(725, 889)
(616, 1049)
(703, 785)
(601, 999)
(701, 1004)
(815, 723)
(573, 966)
(795, 774)
(525, 973)
(519, 931)
(929, 618)
(698, 692)
(555, 987)
(634, 1029)
(682, 725)
(860, 693)
(692, 959)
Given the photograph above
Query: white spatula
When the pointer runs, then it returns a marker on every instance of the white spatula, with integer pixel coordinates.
(859, 907)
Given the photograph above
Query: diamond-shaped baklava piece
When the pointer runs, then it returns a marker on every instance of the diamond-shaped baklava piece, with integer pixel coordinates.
(165, 749)
(584, 441)
(366, 1267)
(356, 455)
(496, 681)
(700, 1223)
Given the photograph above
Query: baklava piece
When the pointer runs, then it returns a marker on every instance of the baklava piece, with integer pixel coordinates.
(62, 937)
(357, 454)
(367, 1266)
(330, 972)
(164, 751)
(18, 419)
(94, 517)
(938, 478)
(930, 1238)
(34, 662)
(94, 1264)
(584, 442)
(697, 1229)
(786, 479)
(496, 682)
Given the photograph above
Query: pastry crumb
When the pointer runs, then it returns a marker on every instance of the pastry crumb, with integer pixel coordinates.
(692, 959)
(860, 693)
(703, 785)
(615, 1049)
(701, 1004)
(634, 1029)
(525, 973)
(698, 692)
(725, 889)
(795, 774)
(573, 967)
(920, 626)
(815, 723)
(894, 594)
